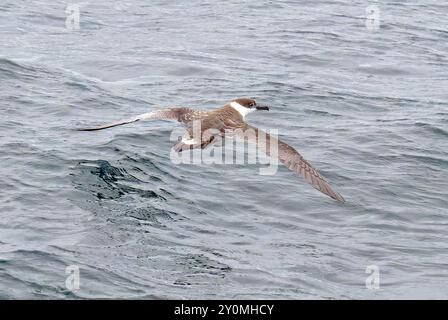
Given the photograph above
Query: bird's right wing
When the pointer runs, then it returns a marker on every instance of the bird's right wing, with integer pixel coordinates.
(183, 115)
(291, 159)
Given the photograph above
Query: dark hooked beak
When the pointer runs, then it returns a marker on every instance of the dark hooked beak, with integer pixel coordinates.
(259, 107)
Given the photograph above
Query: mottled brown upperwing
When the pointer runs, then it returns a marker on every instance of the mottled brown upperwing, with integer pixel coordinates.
(186, 116)
(292, 159)
(181, 114)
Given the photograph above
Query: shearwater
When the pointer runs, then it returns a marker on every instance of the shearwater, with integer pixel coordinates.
(230, 119)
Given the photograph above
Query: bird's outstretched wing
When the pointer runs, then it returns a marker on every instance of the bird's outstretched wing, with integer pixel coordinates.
(291, 159)
(183, 115)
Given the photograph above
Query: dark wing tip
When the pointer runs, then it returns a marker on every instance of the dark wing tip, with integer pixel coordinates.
(86, 129)
(336, 196)
(295, 162)
(109, 125)
(324, 187)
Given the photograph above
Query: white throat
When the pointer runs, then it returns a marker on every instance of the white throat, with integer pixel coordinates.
(242, 110)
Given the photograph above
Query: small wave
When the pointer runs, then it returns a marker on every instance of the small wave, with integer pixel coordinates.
(321, 113)
(16, 70)
(433, 129)
(198, 268)
(112, 182)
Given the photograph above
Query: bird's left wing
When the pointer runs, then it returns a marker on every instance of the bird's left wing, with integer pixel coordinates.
(291, 159)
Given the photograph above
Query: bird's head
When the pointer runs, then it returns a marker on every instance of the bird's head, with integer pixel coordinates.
(246, 105)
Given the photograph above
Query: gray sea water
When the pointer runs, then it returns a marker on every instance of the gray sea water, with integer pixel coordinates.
(366, 103)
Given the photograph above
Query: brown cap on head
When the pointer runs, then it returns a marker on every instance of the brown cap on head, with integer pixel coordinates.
(246, 102)
(250, 103)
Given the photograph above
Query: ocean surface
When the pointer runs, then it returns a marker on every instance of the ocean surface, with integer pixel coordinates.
(362, 93)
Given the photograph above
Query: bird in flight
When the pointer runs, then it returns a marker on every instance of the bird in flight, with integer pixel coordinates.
(230, 119)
